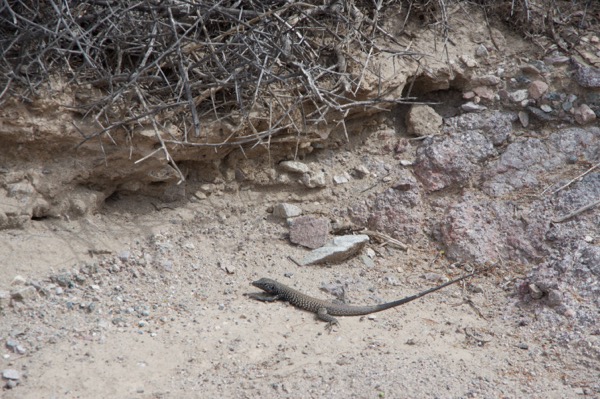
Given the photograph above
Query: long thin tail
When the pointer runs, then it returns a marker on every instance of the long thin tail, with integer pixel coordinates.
(402, 301)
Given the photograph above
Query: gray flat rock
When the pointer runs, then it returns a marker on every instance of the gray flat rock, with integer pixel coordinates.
(336, 251)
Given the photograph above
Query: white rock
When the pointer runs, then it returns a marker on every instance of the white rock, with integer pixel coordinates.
(524, 118)
(519, 95)
(18, 280)
(314, 181)
(340, 179)
(294, 167)
(361, 171)
(285, 210)
(4, 299)
(338, 250)
(11, 374)
(472, 107)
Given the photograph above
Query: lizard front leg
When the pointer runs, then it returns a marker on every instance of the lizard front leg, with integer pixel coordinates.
(262, 296)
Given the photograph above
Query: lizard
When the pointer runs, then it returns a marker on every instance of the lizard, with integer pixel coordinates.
(325, 310)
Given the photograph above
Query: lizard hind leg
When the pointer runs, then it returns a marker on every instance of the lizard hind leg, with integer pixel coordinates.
(331, 321)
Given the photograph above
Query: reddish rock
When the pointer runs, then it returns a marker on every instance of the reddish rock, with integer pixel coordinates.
(309, 231)
(484, 92)
(584, 114)
(537, 89)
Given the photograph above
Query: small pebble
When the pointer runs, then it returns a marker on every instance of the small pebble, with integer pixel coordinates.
(340, 179)
(285, 210)
(524, 118)
(472, 107)
(124, 256)
(11, 374)
(535, 291)
(481, 51)
(294, 167)
(18, 280)
(361, 171)
(11, 344)
(572, 159)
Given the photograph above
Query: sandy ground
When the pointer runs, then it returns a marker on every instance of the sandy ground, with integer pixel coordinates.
(171, 320)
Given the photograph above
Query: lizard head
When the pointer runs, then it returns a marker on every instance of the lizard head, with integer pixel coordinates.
(266, 284)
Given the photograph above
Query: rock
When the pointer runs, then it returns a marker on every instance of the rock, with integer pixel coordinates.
(124, 256)
(586, 76)
(309, 231)
(338, 250)
(200, 195)
(4, 299)
(486, 80)
(285, 210)
(294, 167)
(546, 108)
(18, 280)
(529, 69)
(11, 374)
(316, 180)
(450, 161)
(518, 96)
(535, 291)
(167, 265)
(537, 88)
(557, 60)
(468, 61)
(361, 171)
(24, 294)
(422, 120)
(484, 92)
(340, 179)
(472, 230)
(554, 298)
(481, 51)
(11, 344)
(584, 114)
(541, 115)
(472, 107)
(524, 118)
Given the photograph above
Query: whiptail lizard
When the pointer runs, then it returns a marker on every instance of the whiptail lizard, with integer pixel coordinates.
(325, 310)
